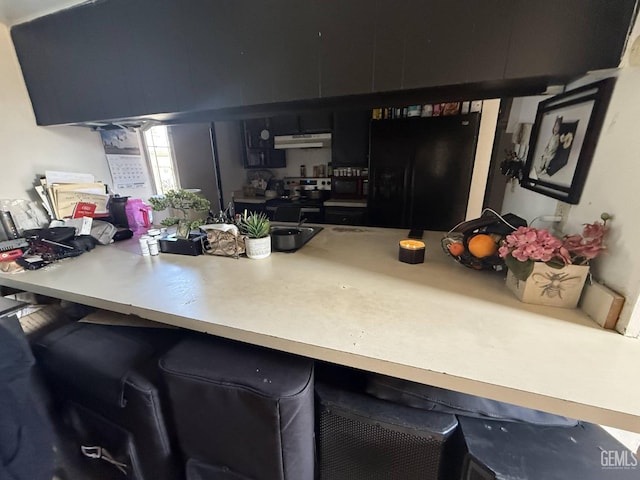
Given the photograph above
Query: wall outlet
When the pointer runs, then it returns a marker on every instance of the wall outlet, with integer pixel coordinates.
(562, 211)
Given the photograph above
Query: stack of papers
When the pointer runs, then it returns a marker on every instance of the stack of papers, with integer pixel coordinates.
(62, 191)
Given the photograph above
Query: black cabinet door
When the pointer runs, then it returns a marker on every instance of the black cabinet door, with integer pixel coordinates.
(316, 122)
(390, 31)
(285, 124)
(345, 215)
(350, 139)
(258, 143)
(279, 55)
(213, 50)
(567, 37)
(347, 32)
(455, 41)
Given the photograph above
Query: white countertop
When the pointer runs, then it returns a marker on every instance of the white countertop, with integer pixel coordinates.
(345, 298)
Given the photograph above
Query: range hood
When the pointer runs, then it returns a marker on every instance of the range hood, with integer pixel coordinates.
(311, 140)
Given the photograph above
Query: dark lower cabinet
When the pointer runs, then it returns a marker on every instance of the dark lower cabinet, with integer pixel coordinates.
(345, 215)
(249, 207)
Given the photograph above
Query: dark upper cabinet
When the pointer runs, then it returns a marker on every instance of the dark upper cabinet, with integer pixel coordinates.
(455, 41)
(350, 139)
(296, 50)
(316, 122)
(279, 54)
(258, 145)
(213, 52)
(347, 32)
(391, 18)
(120, 59)
(307, 122)
(567, 37)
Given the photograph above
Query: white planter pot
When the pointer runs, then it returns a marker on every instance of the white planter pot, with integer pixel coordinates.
(557, 287)
(257, 248)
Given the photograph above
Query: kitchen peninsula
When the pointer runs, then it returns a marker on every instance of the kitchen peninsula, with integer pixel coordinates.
(345, 298)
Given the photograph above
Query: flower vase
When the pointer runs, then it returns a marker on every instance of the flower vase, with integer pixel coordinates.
(258, 248)
(557, 287)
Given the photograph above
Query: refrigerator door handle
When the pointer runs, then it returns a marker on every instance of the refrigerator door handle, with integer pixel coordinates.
(409, 196)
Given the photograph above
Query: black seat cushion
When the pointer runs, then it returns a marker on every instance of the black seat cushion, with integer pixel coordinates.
(243, 409)
(98, 358)
(428, 397)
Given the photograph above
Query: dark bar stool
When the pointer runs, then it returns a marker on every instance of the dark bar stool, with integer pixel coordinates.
(364, 438)
(241, 412)
(519, 451)
(104, 380)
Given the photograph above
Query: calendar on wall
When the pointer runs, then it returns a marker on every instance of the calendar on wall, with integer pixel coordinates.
(128, 171)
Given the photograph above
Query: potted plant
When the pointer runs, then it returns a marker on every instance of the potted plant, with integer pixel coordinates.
(547, 270)
(184, 205)
(256, 227)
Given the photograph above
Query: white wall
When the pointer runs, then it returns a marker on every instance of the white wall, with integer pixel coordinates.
(28, 150)
(482, 160)
(525, 203)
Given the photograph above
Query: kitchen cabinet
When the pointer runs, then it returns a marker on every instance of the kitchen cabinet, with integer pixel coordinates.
(559, 38)
(258, 143)
(307, 122)
(241, 206)
(118, 59)
(457, 41)
(350, 139)
(346, 47)
(345, 215)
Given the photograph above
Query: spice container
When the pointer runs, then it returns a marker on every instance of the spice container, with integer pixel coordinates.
(144, 245)
(411, 251)
(153, 246)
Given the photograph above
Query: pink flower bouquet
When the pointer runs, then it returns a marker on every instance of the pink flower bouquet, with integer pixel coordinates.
(528, 245)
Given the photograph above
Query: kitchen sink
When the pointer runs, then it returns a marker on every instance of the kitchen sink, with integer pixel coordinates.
(308, 232)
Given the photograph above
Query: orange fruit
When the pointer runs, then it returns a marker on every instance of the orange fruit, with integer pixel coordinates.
(482, 245)
(456, 249)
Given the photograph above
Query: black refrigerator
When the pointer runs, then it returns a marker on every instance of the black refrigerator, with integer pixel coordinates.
(420, 171)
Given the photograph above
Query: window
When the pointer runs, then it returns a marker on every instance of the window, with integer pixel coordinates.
(161, 159)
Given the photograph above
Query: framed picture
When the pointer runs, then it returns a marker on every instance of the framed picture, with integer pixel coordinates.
(563, 140)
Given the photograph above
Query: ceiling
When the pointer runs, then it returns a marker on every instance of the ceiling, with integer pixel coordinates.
(18, 11)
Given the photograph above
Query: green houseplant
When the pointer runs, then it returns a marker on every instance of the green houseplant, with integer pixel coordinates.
(184, 204)
(256, 227)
